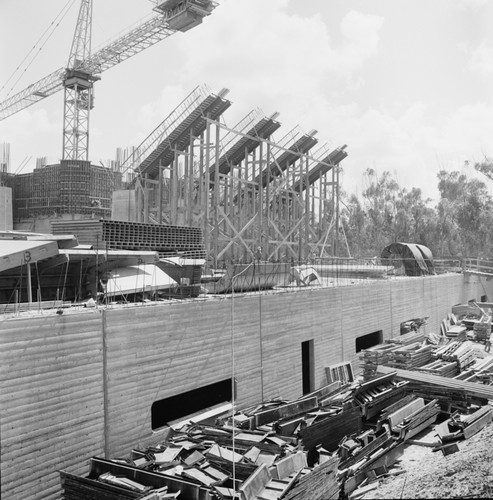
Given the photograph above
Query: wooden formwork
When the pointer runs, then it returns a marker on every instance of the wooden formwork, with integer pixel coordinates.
(253, 198)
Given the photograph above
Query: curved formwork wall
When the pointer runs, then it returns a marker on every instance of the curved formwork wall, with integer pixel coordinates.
(83, 383)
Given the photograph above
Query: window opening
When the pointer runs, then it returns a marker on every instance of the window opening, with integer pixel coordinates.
(369, 340)
(307, 366)
(187, 403)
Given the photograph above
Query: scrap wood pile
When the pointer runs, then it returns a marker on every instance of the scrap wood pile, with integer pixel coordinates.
(376, 394)
(456, 353)
(464, 353)
(440, 367)
(449, 392)
(323, 443)
(410, 356)
(473, 317)
(408, 351)
(462, 426)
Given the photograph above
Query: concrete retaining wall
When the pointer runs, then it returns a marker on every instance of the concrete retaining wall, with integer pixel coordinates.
(83, 384)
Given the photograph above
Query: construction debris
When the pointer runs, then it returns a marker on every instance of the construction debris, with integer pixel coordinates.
(333, 443)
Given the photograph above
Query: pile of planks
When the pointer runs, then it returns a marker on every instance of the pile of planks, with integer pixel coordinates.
(463, 353)
(446, 390)
(458, 332)
(241, 456)
(410, 356)
(483, 365)
(407, 338)
(322, 445)
(441, 368)
(407, 351)
(482, 328)
(372, 357)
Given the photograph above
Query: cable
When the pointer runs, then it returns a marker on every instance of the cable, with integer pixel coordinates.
(71, 2)
(233, 366)
(65, 280)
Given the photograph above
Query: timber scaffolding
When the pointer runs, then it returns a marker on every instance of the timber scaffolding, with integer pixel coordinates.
(250, 195)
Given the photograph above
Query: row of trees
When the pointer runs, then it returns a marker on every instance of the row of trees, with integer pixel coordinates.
(460, 225)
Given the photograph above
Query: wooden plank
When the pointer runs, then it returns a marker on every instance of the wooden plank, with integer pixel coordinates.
(475, 427)
(255, 483)
(284, 411)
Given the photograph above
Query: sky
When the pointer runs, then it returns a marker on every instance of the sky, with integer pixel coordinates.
(406, 84)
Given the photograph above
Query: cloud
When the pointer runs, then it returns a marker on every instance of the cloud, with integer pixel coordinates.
(411, 144)
(272, 58)
(361, 36)
(466, 4)
(481, 59)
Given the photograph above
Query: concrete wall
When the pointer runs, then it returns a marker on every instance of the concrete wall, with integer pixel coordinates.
(123, 205)
(6, 220)
(83, 384)
(51, 400)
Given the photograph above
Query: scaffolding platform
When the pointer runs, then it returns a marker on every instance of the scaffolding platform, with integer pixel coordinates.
(246, 144)
(174, 133)
(288, 157)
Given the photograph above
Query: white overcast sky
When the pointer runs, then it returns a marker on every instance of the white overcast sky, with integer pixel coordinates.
(406, 84)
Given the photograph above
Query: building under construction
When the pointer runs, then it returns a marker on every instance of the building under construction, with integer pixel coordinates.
(252, 195)
(87, 372)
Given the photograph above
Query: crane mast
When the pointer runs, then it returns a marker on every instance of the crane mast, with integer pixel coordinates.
(84, 68)
(78, 90)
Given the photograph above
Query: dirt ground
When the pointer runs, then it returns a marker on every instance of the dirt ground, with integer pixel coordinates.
(467, 473)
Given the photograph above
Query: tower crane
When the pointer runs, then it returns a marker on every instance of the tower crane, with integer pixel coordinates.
(84, 68)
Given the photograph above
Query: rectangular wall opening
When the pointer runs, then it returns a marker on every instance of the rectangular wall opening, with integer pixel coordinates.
(308, 369)
(369, 340)
(186, 404)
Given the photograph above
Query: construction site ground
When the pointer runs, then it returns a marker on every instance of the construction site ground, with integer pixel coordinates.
(429, 474)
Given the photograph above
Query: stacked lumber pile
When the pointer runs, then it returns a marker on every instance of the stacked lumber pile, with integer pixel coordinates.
(456, 332)
(410, 356)
(407, 338)
(447, 351)
(482, 328)
(464, 354)
(442, 388)
(407, 351)
(441, 368)
(483, 365)
(372, 357)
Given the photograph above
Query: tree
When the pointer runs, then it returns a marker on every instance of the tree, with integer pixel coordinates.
(465, 213)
